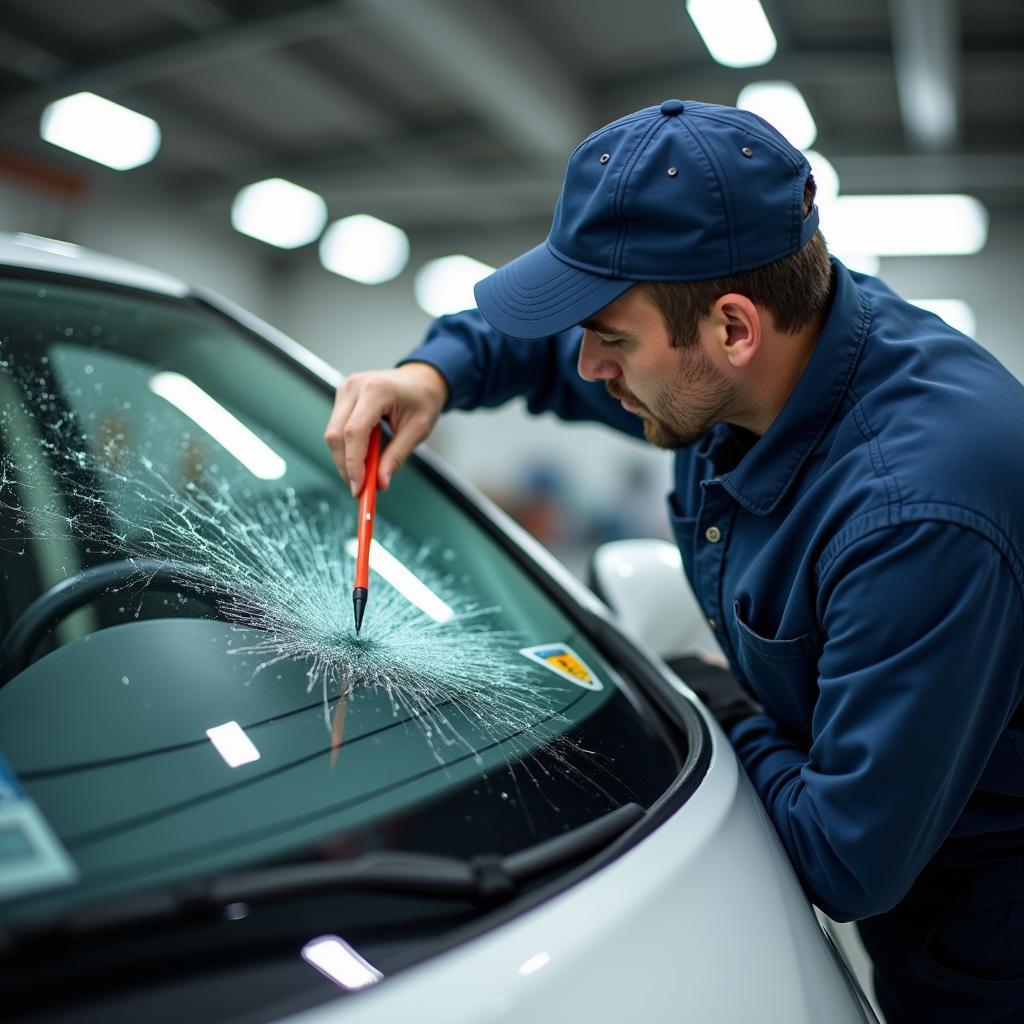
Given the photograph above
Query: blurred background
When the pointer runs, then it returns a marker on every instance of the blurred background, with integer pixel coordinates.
(348, 168)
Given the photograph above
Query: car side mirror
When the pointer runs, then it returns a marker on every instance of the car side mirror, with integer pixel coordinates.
(643, 583)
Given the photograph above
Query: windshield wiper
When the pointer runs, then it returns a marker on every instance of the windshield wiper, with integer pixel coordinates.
(487, 880)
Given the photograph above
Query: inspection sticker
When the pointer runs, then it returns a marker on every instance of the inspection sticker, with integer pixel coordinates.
(31, 855)
(565, 662)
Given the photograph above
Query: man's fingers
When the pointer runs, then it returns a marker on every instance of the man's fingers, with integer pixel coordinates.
(398, 450)
(334, 435)
(411, 397)
(356, 432)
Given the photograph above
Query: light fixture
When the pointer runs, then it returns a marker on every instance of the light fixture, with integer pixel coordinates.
(279, 212)
(445, 285)
(862, 262)
(232, 744)
(364, 249)
(957, 313)
(406, 583)
(826, 180)
(736, 32)
(226, 429)
(911, 225)
(334, 958)
(782, 105)
(100, 130)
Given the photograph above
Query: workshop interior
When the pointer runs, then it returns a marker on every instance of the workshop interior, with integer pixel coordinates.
(440, 750)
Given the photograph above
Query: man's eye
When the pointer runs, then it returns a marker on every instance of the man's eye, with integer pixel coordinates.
(610, 342)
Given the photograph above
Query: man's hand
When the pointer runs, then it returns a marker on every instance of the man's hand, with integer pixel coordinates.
(411, 397)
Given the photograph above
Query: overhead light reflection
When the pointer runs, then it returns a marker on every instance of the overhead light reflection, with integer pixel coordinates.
(670, 556)
(535, 962)
(232, 744)
(334, 958)
(408, 585)
(51, 245)
(226, 429)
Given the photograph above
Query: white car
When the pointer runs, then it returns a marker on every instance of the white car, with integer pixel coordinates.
(217, 803)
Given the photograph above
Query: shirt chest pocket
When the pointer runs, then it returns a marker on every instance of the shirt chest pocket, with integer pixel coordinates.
(783, 673)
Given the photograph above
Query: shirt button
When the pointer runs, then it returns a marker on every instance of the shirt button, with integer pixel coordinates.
(713, 623)
(713, 534)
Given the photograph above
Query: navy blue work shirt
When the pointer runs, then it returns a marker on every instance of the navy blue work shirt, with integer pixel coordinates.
(861, 566)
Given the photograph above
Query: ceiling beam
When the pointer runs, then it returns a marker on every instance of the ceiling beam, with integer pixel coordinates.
(233, 40)
(198, 15)
(926, 44)
(327, 99)
(933, 172)
(28, 60)
(491, 66)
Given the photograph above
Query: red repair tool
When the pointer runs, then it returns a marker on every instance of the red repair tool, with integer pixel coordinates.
(367, 509)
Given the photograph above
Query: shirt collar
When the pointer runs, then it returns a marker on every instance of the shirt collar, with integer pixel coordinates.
(765, 473)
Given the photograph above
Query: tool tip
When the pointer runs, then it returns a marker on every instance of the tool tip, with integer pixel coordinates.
(359, 596)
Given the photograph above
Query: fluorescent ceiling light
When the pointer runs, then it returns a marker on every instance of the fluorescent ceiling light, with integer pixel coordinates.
(736, 32)
(221, 425)
(916, 225)
(364, 249)
(862, 262)
(279, 212)
(408, 585)
(100, 130)
(826, 179)
(337, 960)
(957, 313)
(782, 105)
(232, 744)
(445, 285)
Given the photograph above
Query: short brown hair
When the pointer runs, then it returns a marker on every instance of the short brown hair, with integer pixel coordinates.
(795, 289)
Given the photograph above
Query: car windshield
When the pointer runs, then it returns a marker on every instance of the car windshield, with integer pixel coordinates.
(183, 692)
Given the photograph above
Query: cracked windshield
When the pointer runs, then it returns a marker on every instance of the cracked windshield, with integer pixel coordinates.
(183, 691)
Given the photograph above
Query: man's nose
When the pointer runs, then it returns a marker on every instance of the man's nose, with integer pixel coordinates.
(595, 363)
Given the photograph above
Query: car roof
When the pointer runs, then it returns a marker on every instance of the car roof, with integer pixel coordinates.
(19, 249)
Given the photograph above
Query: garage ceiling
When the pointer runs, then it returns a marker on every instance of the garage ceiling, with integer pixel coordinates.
(433, 113)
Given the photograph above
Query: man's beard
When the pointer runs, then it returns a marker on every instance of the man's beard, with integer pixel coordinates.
(687, 407)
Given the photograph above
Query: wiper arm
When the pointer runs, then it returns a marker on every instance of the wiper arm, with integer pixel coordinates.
(488, 879)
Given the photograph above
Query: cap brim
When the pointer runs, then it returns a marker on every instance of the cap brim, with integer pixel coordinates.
(538, 295)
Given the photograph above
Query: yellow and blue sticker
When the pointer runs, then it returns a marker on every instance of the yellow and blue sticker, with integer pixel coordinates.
(565, 662)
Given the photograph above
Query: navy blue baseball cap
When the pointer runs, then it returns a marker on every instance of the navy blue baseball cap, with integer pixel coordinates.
(681, 192)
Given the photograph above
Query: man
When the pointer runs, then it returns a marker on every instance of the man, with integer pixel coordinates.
(849, 505)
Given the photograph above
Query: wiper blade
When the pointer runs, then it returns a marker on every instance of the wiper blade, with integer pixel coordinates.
(488, 880)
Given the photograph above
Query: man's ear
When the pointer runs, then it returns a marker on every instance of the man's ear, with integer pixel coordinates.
(741, 321)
